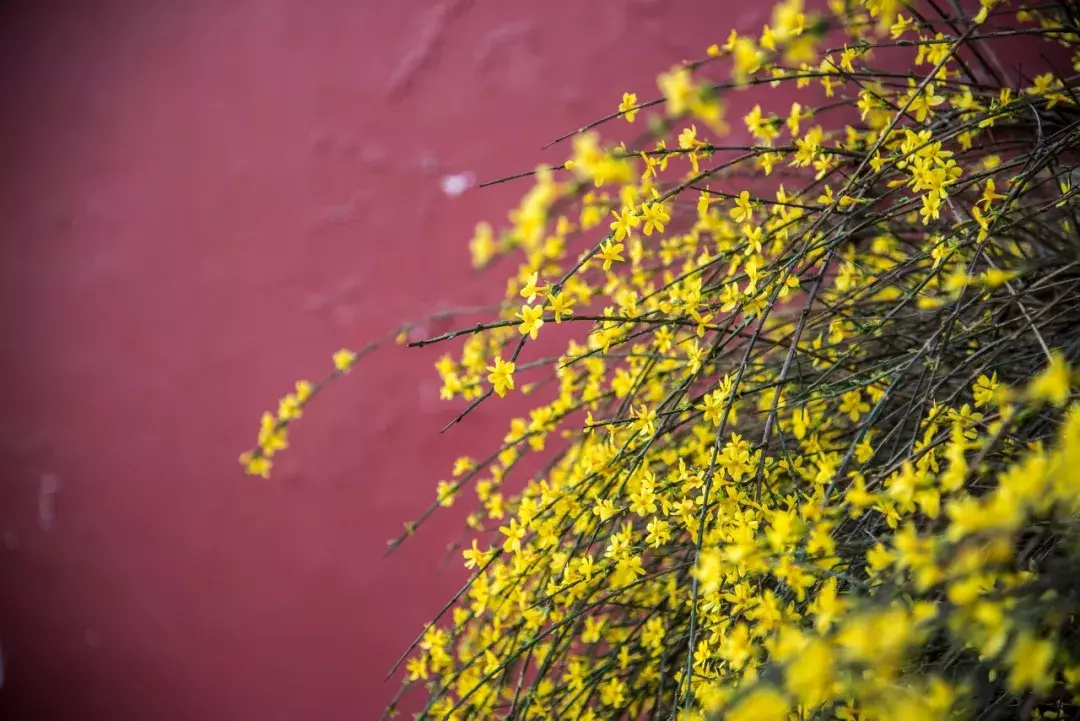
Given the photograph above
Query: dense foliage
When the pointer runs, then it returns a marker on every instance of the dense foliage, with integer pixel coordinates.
(814, 449)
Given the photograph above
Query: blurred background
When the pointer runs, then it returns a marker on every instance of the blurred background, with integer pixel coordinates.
(201, 202)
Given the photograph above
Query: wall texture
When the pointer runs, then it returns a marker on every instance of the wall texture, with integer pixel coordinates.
(201, 201)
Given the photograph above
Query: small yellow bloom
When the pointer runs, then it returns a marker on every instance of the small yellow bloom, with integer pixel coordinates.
(530, 290)
(1030, 659)
(995, 277)
(255, 465)
(610, 252)
(532, 317)
(810, 676)
(626, 107)
(624, 223)
(656, 217)
(678, 89)
(501, 376)
(482, 246)
(560, 304)
(445, 493)
(303, 391)
(743, 212)
(984, 389)
(990, 194)
(1052, 384)
(514, 533)
(289, 408)
(344, 360)
(761, 704)
(899, 27)
(417, 668)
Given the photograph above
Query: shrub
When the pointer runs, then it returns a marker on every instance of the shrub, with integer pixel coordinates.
(811, 448)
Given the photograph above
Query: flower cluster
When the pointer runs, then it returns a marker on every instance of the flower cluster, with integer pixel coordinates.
(273, 428)
(815, 451)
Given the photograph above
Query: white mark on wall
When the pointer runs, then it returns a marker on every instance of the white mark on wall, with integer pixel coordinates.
(455, 185)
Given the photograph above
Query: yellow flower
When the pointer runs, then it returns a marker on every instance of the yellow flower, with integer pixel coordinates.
(659, 532)
(613, 692)
(656, 216)
(530, 291)
(768, 160)
(344, 360)
(678, 89)
(474, 557)
(1052, 384)
(303, 391)
(846, 57)
(809, 677)
(501, 376)
(793, 119)
(445, 493)
(626, 107)
(982, 221)
(995, 277)
(610, 252)
(984, 389)
(560, 304)
(482, 245)
(532, 317)
(743, 212)
(807, 147)
(747, 56)
(624, 224)
(1030, 659)
(289, 408)
(984, 11)
(416, 668)
(924, 102)
(255, 465)
(989, 194)
(514, 533)
(761, 704)
(899, 27)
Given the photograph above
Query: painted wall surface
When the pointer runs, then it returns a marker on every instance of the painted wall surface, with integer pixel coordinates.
(201, 202)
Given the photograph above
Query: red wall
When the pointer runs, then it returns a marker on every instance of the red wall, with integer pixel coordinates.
(201, 201)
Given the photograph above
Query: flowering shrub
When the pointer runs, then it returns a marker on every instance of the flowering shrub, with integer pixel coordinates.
(814, 449)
